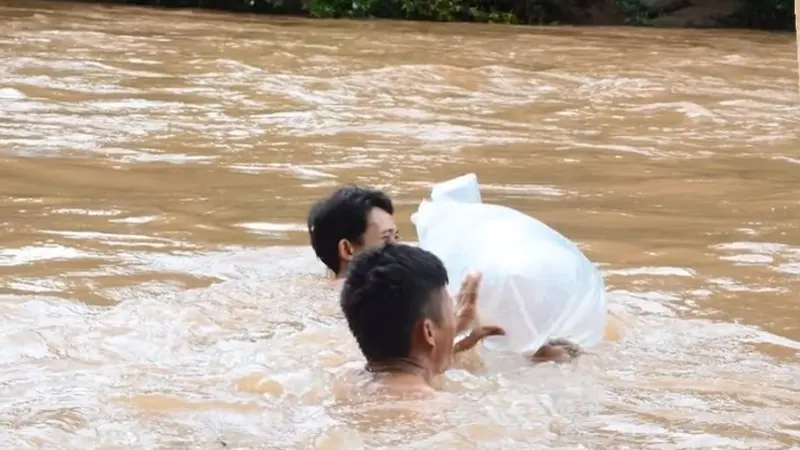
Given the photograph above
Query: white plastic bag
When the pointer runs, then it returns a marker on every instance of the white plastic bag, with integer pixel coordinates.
(463, 189)
(536, 284)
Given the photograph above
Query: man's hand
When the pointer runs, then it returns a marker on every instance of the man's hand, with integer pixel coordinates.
(467, 315)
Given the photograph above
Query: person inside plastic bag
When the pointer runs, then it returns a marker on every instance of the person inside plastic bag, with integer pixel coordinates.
(397, 307)
(355, 218)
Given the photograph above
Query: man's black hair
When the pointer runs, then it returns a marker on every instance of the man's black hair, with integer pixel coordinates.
(343, 215)
(387, 291)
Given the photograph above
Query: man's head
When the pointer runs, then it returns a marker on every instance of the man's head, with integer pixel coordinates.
(397, 307)
(349, 220)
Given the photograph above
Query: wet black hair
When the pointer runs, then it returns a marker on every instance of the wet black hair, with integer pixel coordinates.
(343, 215)
(387, 291)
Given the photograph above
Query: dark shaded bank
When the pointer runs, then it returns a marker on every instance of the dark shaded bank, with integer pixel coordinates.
(760, 14)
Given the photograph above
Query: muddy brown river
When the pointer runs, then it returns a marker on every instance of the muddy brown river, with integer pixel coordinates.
(156, 291)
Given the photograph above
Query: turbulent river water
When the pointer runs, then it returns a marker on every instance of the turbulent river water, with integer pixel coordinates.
(156, 290)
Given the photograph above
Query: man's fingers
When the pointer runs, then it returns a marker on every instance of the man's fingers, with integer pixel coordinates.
(476, 284)
(465, 284)
(492, 330)
(469, 288)
(476, 280)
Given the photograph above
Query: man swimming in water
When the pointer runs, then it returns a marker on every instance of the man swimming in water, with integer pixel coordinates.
(353, 219)
(348, 221)
(395, 300)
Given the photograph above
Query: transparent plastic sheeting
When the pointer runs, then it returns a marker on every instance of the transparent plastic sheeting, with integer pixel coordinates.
(536, 283)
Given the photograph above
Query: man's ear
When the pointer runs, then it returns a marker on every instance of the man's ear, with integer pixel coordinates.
(427, 332)
(346, 250)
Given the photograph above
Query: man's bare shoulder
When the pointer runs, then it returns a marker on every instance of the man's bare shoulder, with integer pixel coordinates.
(352, 381)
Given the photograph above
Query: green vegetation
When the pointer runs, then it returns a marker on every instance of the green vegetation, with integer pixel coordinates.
(635, 12)
(766, 14)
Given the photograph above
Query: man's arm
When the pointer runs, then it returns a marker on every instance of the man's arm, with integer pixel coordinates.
(557, 350)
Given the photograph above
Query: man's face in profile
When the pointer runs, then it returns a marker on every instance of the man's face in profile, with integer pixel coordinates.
(381, 229)
(443, 333)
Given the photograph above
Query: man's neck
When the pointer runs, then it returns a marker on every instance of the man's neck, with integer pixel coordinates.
(342, 271)
(402, 373)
